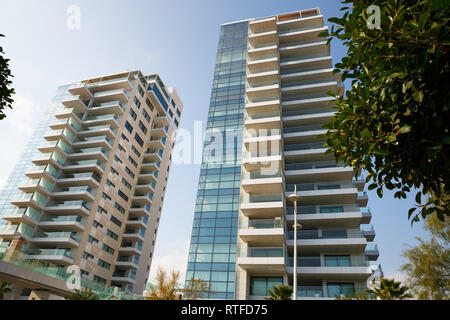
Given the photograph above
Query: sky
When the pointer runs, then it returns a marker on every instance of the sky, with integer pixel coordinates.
(178, 40)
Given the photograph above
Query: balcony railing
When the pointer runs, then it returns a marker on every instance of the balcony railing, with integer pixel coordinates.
(261, 224)
(326, 234)
(330, 261)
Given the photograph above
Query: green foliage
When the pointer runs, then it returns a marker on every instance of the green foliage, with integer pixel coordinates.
(5, 82)
(394, 120)
(4, 288)
(84, 294)
(389, 289)
(428, 265)
(281, 292)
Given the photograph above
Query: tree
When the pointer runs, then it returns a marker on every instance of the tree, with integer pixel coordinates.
(394, 120)
(4, 288)
(428, 266)
(389, 289)
(84, 294)
(166, 286)
(196, 289)
(6, 91)
(280, 292)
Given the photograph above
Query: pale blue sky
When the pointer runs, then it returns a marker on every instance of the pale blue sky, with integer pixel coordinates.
(178, 40)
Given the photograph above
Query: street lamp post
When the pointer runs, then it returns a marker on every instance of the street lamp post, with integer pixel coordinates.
(294, 198)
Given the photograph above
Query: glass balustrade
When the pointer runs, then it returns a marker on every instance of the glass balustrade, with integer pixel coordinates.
(261, 224)
(325, 234)
(259, 252)
(329, 261)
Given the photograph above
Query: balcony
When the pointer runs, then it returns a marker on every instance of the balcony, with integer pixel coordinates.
(93, 142)
(68, 208)
(138, 211)
(146, 188)
(8, 232)
(161, 121)
(259, 38)
(110, 84)
(134, 235)
(129, 248)
(28, 215)
(263, 232)
(137, 222)
(156, 144)
(262, 106)
(159, 100)
(268, 121)
(57, 256)
(325, 192)
(84, 166)
(262, 205)
(63, 223)
(306, 152)
(262, 25)
(368, 232)
(333, 215)
(258, 182)
(69, 239)
(362, 198)
(160, 132)
(262, 259)
(76, 103)
(99, 154)
(372, 252)
(338, 240)
(81, 90)
(149, 167)
(99, 120)
(111, 96)
(153, 156)
(115, 107)
(123, 277)
(300, 34)
(329, 266)
(301, 49)
(127, 262)
(146, 178)
(317, 171)
(103, 130)
(143, 199)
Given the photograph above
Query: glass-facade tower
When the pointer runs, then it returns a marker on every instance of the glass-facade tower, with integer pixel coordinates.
(213, 243)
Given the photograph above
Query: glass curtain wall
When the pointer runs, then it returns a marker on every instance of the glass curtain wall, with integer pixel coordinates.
(213, 242)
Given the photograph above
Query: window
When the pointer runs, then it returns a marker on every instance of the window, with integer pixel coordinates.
(170, 113)
(87, 255)
(110, 184)
(337, 261)
(338, 289)
(172, 102)
(135, 151)
(116, 221)
(114, 171)
(96, 224)
(119, 207)
(259, 286)
(126, 184)
(101, 210)
(103, 264)
(148, 103)
(333, 209)
(112, 234)
(137, 103)
(105, 196)
(146, 115)
(99, 279)
(178, 113)
(138, 139)
(143, 127)
(141, 91)
(134, 163)
(127, 170)
(124, 137)
(84, 273)
(329, 187)
(133, 114)
(108, 249)
(116, 158)
(123, 195)
(92, 240)
(176, 122)
(120, 147)
(128, 127)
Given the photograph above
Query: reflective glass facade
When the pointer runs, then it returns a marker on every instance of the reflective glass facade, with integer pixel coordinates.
(17, 177)
(214, 233)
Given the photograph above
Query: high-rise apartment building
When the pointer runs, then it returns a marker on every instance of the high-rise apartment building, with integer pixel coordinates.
(89, 186)
(270, 84)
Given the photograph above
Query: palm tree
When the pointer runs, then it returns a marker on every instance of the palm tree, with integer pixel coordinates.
(281, 292)
(4, 288)
(389, 289)
(84, 294)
